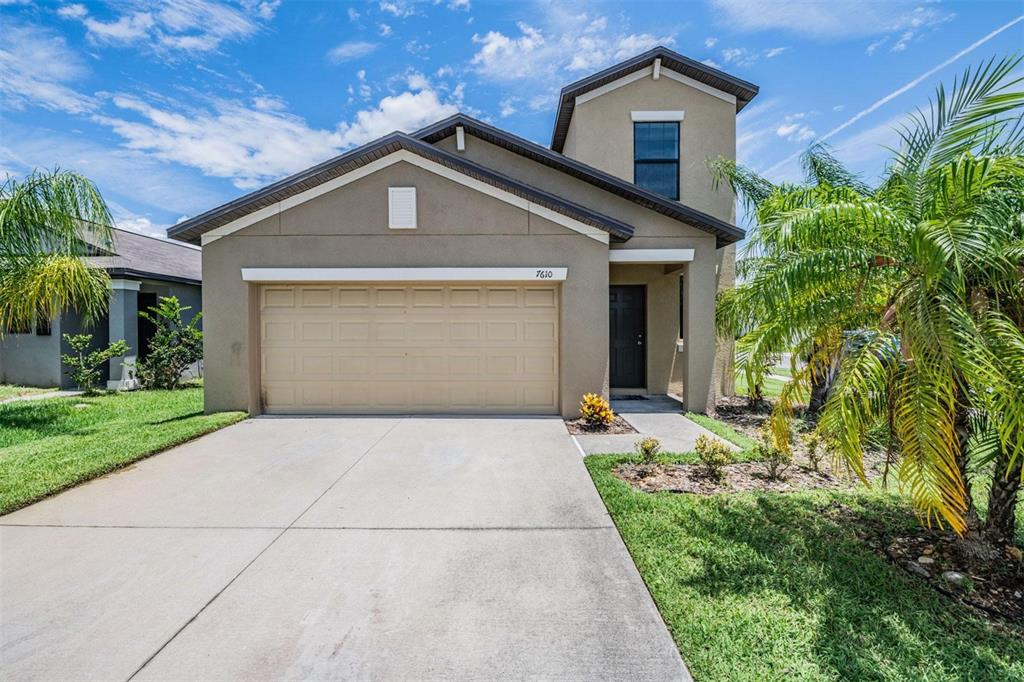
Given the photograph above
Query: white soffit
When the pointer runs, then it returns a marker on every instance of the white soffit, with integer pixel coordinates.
(656, 116)
(416, 160)
(649, 71)
(531, 274)
(650, 256)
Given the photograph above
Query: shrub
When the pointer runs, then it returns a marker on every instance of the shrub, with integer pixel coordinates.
(84, 368)
(648, 449)
(714, 455)
(812, 443)
(174, 346)
(777, 457)
(595, 410)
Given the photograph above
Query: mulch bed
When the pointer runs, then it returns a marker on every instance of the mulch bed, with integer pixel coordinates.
(742, 477)
(989, 578)
(578, 427)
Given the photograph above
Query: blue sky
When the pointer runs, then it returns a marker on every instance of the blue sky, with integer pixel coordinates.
(175, 107)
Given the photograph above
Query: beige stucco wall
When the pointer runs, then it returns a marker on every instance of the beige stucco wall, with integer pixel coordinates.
(601, 134)
(347, 227)
(687, 373)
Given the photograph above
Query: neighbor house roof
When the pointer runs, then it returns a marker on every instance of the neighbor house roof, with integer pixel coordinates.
(719, 80)
(191, 230)
(142, 257)
(725, 232)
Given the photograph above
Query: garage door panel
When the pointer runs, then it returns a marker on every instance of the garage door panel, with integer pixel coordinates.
(409, 348)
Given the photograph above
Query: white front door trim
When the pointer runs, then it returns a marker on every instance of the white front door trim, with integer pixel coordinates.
(531, 274)
(650, 256)
(416, 160)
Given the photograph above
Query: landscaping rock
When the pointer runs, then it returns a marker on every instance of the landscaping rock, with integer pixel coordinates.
(926, 560)
(956, 580)
(917, 569)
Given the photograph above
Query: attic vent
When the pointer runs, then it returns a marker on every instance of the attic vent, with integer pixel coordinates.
(402, 208)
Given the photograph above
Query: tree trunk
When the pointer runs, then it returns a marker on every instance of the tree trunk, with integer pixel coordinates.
(962, 428)
(821, 381)
(1000, 525)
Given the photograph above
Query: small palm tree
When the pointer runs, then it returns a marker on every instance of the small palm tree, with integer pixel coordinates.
(916, 285)
(48, 222)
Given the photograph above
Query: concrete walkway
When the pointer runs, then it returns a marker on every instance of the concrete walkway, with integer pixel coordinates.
(334, 548)
(41, 396)
(658, 416)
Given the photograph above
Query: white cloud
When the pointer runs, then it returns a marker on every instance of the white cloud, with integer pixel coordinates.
(712, 63)
(398, 8)
(354, 49)
(710, 42)
(833, 19)
(536, 55)
(874, 45)
(383, 30)
(903, 41)
(174, 25)
(795, 132)
(755, 128)
(38, 68)
(459, 5)
(742, 57)
(353, 14)
(415, 47)
(508, 106)
(129, 220)
(256, 141)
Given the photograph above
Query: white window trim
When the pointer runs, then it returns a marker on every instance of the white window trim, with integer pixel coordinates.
(649, 71)
(125, 284)
(392, 192)
(656, 116)
(650, 256)
(401, 155)
(531, 274)
(460, 138)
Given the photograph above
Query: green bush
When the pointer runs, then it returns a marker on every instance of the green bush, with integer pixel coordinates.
(812, 444)
(174, 347)
(648, 449)
(776, 457)
(714, 456)
(84, 368)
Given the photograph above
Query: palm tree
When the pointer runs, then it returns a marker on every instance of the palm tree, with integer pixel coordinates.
(48, 221)
(916, 284)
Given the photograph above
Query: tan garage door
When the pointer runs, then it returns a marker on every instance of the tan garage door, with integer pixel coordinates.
(409, 348)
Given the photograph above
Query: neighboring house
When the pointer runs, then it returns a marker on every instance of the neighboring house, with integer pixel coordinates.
(464, 269)
(141, 269)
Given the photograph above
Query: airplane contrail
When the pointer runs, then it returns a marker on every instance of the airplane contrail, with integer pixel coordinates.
(899, 91)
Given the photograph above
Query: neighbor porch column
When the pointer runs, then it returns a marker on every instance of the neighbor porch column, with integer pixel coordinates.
(123, 318)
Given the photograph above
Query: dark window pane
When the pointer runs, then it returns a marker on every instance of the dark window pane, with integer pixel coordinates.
(656, 141)
(662, 178)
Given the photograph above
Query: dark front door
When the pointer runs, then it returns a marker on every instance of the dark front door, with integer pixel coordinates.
(146, 328)
(628, 355)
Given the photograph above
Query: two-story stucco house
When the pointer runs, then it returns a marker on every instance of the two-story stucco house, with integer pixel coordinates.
(461, 268)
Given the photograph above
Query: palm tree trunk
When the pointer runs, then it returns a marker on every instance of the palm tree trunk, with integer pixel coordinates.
(962, 428)
(1000, 525)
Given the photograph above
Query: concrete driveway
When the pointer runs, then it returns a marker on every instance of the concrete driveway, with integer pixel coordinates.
(341, 548)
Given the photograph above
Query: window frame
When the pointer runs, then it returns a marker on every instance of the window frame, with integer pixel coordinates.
(677, 160)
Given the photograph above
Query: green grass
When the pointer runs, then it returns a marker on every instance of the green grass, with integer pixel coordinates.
(772, 387)
(782, 371)
(49, 445)
(722, 430)
(11, 391)
(769, 587)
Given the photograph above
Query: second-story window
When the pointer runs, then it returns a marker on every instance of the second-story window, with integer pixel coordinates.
(656, 157)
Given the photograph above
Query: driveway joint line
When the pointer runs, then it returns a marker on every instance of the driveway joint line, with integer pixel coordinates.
(261, 553)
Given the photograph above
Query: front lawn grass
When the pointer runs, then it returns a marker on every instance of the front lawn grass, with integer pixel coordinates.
(49, 445)
(8, 391)
(769, 587)
(772, 388)
(722, 430)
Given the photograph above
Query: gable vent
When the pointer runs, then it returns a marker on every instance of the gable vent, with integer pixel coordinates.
(402, 208)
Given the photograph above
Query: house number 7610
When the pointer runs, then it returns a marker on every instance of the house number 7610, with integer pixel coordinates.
(545, 274)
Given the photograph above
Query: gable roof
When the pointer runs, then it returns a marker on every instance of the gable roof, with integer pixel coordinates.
(725, 232)
(191, 230)
(141, 256)
(719, 80)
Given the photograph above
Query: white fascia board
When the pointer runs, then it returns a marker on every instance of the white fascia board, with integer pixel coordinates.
(649, 71)
(125, 284)
(650, 256)
(416, 160)
(656, 116)
(531, 274)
